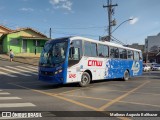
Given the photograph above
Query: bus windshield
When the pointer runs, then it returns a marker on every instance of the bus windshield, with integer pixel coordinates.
(53, 54)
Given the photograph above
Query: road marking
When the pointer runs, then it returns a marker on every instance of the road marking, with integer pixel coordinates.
(9, 98)
(125, 91)
(3, 73)
(14, 71)
(33, 67)
(121, 97)
(22, 70)
(5, 105)
(27, 68)
(4, 93)
(105, 99)
(69, 100)
(74, 90)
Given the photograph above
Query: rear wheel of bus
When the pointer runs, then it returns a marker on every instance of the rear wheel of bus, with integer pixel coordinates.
(85, 80)
(126, 75)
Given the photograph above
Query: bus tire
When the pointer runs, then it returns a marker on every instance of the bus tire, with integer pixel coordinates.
(126, 75)
(85, 80)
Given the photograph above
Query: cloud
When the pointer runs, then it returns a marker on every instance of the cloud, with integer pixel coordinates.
(65, 4)
(27, 9)
(135, 20)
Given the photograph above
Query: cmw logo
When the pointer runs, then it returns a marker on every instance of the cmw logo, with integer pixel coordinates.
(94, 63)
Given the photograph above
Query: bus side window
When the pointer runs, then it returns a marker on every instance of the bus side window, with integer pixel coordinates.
(130, 54)
(123, 53)
(114, 52)
(100, 50)
(105, 51)
(93, 50)
(140, 55)
(136, 56)
(90, 49)
(87, 49)
(111, 52)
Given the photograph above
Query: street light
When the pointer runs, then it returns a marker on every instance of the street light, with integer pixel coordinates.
(110, 33)
(121, 24)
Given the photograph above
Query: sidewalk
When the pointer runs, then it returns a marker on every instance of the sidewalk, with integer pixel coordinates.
(22, 59)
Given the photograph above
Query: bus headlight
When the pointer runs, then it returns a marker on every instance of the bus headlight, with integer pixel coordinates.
(56, 73)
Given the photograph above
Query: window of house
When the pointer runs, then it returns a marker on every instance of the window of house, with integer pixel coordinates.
(38, 43)
(1, 42)
(14, 41)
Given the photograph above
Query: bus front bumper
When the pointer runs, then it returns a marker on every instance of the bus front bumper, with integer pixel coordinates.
(51, 79)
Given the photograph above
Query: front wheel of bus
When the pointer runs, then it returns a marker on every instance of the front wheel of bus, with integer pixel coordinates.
(85, 80)
(126, 75)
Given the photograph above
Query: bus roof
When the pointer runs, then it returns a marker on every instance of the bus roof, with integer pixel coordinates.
(105, 43)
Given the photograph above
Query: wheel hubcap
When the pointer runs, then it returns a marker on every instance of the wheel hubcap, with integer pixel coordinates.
(126, 75)
(84, 80)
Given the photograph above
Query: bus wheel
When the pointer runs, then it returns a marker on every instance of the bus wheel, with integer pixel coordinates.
(126, 75)
(85, 80)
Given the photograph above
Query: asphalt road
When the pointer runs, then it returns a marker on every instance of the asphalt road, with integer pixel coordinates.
(21, 91)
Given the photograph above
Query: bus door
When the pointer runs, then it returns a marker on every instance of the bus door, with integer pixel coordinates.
(136, 66)
(114, 63)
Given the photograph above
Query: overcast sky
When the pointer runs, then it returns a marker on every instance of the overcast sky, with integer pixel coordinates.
(85, 18)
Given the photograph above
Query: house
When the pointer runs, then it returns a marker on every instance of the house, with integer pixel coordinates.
(3, 30)
(23, 40)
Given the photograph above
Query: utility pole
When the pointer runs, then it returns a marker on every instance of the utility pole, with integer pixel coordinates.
(50, 33)
(111, 22)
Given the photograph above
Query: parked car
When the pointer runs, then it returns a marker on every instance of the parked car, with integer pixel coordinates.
(156, 67)
(151, 65)
(146, 68)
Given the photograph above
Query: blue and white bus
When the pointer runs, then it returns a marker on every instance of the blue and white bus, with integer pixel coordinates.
(82, 60)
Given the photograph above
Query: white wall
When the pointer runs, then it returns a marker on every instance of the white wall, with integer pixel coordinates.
(153, 43)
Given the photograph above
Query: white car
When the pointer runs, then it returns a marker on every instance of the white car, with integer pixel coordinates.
(146, 68)
(156, 67)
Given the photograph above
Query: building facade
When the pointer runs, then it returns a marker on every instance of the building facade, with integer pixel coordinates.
(24, 40)
(152, 48)
(3, 30)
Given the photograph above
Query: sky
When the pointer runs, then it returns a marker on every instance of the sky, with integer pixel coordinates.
(86, 18)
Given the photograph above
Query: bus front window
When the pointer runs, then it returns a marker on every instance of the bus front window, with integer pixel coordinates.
(53, 54)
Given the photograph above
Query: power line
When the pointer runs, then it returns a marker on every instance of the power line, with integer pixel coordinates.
(74, 34)
(115, 39)
(80, 27)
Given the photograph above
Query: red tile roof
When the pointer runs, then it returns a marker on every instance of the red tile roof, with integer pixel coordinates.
(22, 29)
(8, 29)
